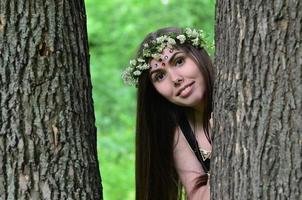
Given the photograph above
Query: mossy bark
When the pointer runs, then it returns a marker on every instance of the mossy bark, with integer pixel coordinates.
(258, 99)
(47, 131)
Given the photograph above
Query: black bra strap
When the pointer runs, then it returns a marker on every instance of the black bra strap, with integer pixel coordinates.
(189, 135)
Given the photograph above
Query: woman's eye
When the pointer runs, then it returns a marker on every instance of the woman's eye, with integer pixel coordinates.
(179, 61)
(159, 76)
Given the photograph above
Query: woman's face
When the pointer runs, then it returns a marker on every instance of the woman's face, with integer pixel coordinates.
(177, 78)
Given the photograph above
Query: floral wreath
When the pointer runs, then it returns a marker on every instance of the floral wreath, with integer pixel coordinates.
(154, 48)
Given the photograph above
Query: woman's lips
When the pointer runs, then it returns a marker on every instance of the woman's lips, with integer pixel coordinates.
(186, 90)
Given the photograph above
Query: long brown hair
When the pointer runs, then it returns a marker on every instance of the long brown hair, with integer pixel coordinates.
(156, 123)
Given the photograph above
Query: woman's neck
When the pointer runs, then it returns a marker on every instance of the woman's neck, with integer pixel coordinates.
(195, 117)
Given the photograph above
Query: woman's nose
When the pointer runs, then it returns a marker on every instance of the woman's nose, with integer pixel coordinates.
(178, 82)
(176, 78)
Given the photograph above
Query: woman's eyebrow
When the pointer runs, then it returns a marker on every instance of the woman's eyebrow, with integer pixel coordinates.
(173, 57)
(154, 71)
(169, 61)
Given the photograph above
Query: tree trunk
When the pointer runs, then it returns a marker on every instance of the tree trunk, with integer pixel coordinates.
(257, 112)
(47, 131)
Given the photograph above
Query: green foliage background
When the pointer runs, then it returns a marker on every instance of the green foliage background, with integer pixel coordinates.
(115, 29)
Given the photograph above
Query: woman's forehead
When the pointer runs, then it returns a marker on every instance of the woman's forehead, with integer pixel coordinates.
(164, 58)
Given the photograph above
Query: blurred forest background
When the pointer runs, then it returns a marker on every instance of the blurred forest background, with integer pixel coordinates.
(115, 29)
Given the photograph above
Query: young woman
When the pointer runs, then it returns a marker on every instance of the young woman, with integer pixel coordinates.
(173, 75)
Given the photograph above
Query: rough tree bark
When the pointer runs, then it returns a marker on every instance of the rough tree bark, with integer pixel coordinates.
(47, 131)
(258, 123)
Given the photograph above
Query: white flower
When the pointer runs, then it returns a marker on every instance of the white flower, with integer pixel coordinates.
(188, 31)
(137, 73)
(201, 34)
(171, 41)
(156, 56)
(133, 62)
(195, 41)
(143, 67)
(146, 45)
(127, 77)
(141, 60)
(160, 39)
(181, 38)
(194, 33)
(146, 53)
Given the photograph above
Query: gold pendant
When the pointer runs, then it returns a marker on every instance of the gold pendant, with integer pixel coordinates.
(205, 154)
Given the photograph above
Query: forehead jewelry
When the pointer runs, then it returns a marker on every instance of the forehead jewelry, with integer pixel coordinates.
(154, 48)
(162, 61)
